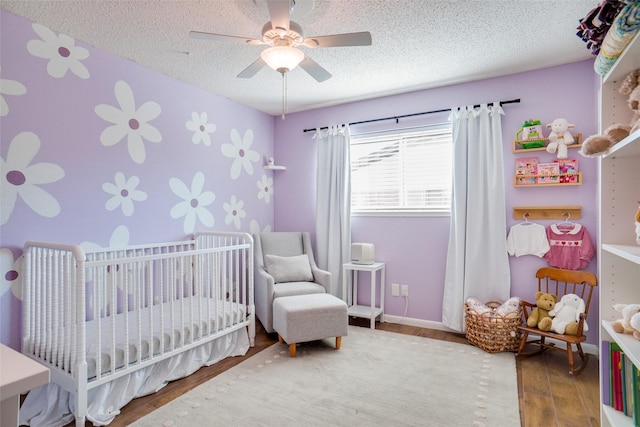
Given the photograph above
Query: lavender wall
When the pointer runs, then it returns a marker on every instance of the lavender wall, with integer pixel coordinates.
(414, 248)
(73, 172)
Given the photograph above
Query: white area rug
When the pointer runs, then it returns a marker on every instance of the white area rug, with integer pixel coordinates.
(377, 378)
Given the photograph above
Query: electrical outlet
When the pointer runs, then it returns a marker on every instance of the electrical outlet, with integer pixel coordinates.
(395, 290)
(404, 290)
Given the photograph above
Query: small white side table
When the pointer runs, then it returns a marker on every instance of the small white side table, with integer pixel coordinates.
(18, 375)
(350, 293)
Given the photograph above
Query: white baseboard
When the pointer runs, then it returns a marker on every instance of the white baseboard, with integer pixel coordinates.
(430, 324)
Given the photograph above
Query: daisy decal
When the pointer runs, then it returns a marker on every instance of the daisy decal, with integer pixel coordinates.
(200, 128)
(130, 122)
(9, 87)
(240, 153)
(17, 177)
(119, 239)
(234, 211)
(61, 52)
(193, 202)
(254, 227)
(124, 193)
(265, 188)
(10, 273)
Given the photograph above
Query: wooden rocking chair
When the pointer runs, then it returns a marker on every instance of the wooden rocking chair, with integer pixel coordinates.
(560, 282)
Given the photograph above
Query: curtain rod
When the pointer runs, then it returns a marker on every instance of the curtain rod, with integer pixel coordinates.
(396, 118)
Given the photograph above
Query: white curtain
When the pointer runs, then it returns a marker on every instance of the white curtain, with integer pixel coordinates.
(477, 260)
(333, 202)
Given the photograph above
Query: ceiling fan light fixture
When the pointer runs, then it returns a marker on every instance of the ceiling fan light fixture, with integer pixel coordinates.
(282, 58)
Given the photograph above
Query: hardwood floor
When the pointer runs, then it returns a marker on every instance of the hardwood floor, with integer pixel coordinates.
(548, 395)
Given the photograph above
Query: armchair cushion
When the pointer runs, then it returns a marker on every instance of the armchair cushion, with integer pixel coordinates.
(289, 269)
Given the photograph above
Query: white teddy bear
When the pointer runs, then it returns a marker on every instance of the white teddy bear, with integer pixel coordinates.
(566, 315)
(559, 137)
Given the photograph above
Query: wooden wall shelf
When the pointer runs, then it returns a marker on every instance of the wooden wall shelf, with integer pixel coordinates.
(517, 147)
(559, 184)
(547, 212)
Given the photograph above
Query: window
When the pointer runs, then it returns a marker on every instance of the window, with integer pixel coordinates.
(399, 172)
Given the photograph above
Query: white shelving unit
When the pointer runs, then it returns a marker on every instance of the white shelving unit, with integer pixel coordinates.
(619, 193)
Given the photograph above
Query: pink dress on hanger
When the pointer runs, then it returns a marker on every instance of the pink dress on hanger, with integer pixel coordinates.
(570, 246)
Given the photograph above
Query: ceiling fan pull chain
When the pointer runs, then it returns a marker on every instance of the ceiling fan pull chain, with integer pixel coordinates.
(284, 94)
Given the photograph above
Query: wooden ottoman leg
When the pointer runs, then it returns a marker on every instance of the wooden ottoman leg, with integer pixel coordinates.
(338, 342)
(292, 350)
(280, 340)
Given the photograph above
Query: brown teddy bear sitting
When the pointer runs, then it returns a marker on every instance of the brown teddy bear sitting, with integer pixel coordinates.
(539, 316)
(598, 145)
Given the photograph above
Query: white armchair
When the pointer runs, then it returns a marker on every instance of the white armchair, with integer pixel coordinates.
(284, 266)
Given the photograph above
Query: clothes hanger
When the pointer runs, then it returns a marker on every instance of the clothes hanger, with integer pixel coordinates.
(526, 221)
(566, 224)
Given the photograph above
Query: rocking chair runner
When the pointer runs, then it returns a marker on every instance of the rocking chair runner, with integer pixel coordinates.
(560, 282)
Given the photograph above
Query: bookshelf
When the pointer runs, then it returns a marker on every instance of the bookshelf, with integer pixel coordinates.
(517, 144)
(618, 253)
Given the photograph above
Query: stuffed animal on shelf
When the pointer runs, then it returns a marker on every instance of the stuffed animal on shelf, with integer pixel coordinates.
(623, 325)
(635, 324)
(560, 137)
(566, 315)
(598, 145)
(539, 316)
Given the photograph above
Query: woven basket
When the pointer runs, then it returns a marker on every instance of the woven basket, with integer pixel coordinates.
(491, 331)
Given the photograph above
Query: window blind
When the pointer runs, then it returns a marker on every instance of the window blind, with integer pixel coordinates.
(402, 171)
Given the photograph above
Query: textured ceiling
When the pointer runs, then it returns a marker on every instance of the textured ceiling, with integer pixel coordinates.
(417, 44)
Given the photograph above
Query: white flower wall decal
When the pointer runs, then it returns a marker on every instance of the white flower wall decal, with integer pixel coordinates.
(61, 51)
(265, 188)
(119, 239)
(18, 177)
(124, 193)
(193, 204)
(234, 211)
(10, 271)
(240, 151)
(254, 227)
(130, 122)
(9, 87)
(200, 128)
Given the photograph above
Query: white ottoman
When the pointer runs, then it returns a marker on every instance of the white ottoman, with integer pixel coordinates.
(303, 318)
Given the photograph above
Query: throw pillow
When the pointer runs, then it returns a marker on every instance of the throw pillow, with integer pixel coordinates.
(289, 269)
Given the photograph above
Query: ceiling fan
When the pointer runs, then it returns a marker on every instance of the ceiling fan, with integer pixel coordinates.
(283, 37)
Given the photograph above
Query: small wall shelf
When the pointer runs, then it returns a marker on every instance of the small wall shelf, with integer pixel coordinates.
(547, 212)
(516, 145)
(558, 184)
(275, 167)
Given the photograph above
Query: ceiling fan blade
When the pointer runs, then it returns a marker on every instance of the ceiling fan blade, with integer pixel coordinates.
(314, 70)
(223, 38)
(252, 69)
(279, 11)
(338, 40)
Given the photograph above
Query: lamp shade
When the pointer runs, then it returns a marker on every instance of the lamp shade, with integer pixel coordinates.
(282, 58)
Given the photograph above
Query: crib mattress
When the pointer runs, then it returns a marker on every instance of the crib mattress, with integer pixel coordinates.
(162, 328)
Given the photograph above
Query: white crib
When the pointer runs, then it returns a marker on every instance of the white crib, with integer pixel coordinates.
(115, 324)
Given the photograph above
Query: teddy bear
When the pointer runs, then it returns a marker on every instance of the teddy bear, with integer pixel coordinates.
(559, 137)
(539, 316)
(566, 315)
(598, 145)
(623, 325)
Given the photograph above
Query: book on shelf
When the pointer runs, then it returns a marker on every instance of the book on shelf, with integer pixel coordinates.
(568, 170)
(635, 380)
(616, 379)
(605, 360)
(548, 173)
(526, 170)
